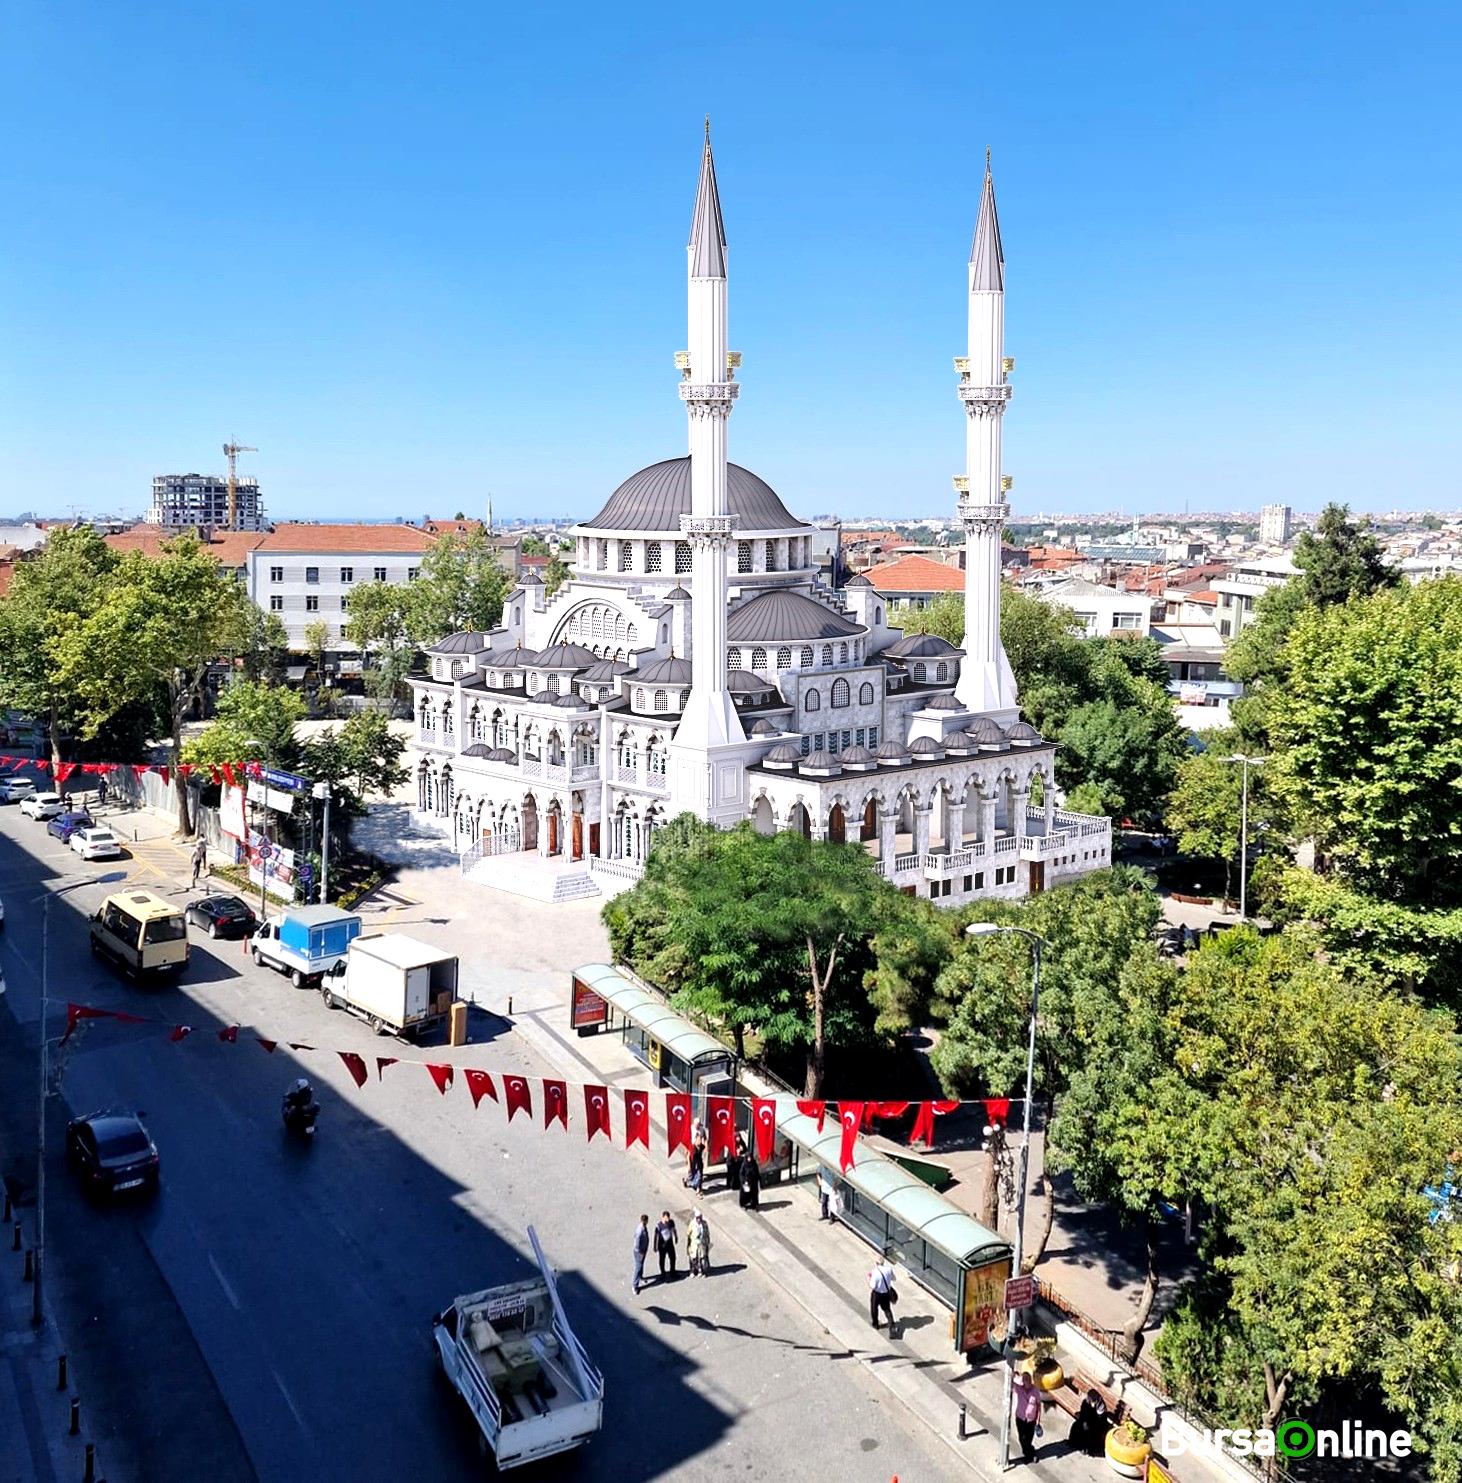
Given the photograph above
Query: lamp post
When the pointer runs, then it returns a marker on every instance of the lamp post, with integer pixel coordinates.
(1247, 763)
(1037, 942)
(322, 790)
(264, 749)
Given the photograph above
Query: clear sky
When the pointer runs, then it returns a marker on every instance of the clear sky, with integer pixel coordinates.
(420, 252)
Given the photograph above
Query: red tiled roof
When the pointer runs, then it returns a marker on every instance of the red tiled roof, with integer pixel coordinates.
(1207, 599)
(463, 527)
(230, 547)
(916, 574)
(327, 539)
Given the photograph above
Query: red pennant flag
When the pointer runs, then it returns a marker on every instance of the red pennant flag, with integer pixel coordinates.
(723, 1127)
(850, 1114)
(441, 1074)
(184, 768)
(355, 1065)
(764, 1120)
(44, 763)
(90, 769)
(997, 1109)
(299, 1045)
(138, 768)
(677, 1120)
(596, 1112)
(890, 1109)
(230, 1033)
(228, 773)
(64, 771)
(923, 1129)
(555, 1102)
(814, 1109)
(214, 774)
(180, 1032)
(479, 1083)
(267, 1044)
(167, 775)
(637, 1119)
(382, 1062)
(75, 1012)
(516, 1088)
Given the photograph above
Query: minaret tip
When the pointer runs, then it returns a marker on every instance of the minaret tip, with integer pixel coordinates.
(708, 128)
(987, 147)
(987, 257)
(707, 232)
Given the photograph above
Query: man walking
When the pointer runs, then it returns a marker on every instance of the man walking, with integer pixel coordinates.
(698, 1245)
(641, 1250)
(1027, 1414)
(881, 1294)
(200, 859)
(665, 1241)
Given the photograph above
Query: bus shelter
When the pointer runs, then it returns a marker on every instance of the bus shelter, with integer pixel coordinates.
(945, 1251)
(680, 1056)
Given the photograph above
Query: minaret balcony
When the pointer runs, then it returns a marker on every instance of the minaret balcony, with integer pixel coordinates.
(709, 392)
(968, 392)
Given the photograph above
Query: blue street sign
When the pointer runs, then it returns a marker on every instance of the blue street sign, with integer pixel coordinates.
(286, 780)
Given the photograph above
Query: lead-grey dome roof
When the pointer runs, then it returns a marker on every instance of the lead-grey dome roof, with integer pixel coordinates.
(459, 643)
(921, 646)
(786, 615)
(670, 671)
(656, 498)
(563, 656)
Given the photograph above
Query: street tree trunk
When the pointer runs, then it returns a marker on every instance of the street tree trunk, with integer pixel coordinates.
(178, 695)
(1036, 1249)
(1132, 1339)
(987, 1206)
(1276, 1392)
(817, 1056)
(55, 724)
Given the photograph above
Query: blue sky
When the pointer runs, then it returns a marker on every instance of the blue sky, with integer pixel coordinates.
(417, 253)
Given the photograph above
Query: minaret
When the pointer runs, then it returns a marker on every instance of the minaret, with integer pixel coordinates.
(708, 390)
(986, 684)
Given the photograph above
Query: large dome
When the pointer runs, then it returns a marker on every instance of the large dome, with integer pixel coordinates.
(656, 498)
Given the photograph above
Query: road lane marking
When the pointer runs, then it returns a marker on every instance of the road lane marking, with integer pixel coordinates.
(230, 1294)
(289, 1401)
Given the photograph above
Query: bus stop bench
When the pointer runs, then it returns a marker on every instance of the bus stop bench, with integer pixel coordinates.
(1070, 1396)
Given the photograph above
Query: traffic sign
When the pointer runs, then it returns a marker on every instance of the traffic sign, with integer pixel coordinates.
(288, 780)
(1020, 1292)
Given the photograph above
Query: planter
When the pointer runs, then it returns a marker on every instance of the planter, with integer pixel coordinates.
(1125, 1456)
(1047, 1373)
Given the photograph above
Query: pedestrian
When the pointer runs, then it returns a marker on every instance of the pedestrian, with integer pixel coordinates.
(734, 1160)
(698, 1246)
(750, 1183)
(882, 1294)
(200, 859)
(101, 792)
(665, 1240)
(641, 1250)
(697, 1170)
(1027, 1414)
(824, 1194)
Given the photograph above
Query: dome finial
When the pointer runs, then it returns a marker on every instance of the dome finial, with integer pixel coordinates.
(987, 147)
(708, 129)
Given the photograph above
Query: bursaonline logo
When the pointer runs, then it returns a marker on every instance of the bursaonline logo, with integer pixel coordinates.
(1292, 1438)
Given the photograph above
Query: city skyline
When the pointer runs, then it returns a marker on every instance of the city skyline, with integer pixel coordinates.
(398, 283)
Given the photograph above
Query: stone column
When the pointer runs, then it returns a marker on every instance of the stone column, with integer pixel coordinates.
(888, 827)
(987, 824)
(1019, 801)
(921, 829)
(1048, 801)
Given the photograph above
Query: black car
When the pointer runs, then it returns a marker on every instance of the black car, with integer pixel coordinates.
(223, 916)
(112, 1152)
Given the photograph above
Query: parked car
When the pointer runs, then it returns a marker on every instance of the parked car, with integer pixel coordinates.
(42, 805)
(12, 790)
(96, 843)
(63, 826)
(112, 1152)
(223, 916)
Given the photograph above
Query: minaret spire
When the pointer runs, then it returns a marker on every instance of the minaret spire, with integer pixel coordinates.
(987, 260)
(707, 231)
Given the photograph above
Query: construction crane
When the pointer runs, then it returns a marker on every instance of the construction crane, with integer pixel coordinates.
(231, 452)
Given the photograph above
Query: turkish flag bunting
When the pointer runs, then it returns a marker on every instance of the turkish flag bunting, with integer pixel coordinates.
(441, 1074)
(637, 1118)
(64, 771)
(167, 775)
(479, 1083)
(355, 1065)
(227, 769)
(850, 1114)
(44, 763)
(230, 1033)
(267, 1044)
(75, 1012)
(997, 1109)
(184, 768)
(90, 769)
(723, 1127)
(555, 1102)
(677, 1120)
(518, 1095)
(213, 773)
(382, 1062)
(890, 1109)
(764, 1119)
(138, 768)
(181, 1032)
(923, 1129)
(814, 1109)
(596, 1112)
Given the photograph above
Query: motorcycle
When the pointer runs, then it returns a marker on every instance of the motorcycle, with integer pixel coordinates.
(300, 1118)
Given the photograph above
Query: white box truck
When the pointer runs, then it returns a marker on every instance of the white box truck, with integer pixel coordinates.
(509, 1352)
(397, 985)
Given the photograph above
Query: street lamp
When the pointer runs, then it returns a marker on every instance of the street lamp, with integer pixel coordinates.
(43, 1070)
(1037, 942)
(264, 749)
(1247, 762)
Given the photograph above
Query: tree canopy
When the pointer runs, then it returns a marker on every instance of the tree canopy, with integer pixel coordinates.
(460, 585)
(253, 722)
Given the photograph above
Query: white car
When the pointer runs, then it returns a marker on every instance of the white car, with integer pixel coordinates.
(96, 844)
(42, 805)
(12, 789)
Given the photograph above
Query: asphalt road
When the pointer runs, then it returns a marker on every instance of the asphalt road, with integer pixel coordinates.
(267, 1315)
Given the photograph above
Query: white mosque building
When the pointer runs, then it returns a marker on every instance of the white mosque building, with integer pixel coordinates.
(696, 662)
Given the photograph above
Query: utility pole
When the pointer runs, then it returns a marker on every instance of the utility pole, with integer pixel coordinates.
(322, 790)
(231, 451)
(1247, 762)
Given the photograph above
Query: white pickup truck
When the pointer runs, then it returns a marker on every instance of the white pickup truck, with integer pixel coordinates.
(509, 1352)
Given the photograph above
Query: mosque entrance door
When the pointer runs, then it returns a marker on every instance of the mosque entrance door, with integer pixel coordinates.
(578, 837)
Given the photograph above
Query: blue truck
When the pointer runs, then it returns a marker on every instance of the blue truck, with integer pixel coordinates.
(305, 942)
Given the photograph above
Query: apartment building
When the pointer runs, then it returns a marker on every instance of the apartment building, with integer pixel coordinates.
(1275, 525)
(201, 500)
(304, 573)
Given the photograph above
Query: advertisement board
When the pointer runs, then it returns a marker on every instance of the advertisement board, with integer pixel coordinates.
(270, 866)
(587, 1011)
(981, 1302)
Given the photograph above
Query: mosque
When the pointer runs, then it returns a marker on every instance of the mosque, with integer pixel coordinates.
(695, 661)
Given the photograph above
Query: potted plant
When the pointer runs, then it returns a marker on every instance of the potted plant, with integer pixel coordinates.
(1128, 1449)
(1040, 1362)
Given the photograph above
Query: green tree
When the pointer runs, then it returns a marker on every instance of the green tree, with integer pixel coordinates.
(161, 624)
(534, 546)
(50, 597)
(266, 647)
(555, 574)
(377, 622)
(944, 618)
(254, 722)
(1130, 749)
(461, 585)
(317, 641)
(1341, 559)
(1205, 809)
(362, 758)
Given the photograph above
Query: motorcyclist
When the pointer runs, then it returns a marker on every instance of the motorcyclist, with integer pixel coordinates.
(299, 1098)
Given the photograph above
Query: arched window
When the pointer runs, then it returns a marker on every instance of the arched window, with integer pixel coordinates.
(474, 724)
(865, 694)
(812, 702)
(555, 749)
(655, 758)
(842, 653)
(639, 700)
(784, 658)
(446, 718)
(652, 557)
(551, 684)
(771, 556)
(684, 699)
(919, 673)
(626, 749)
(499, 731)
(743, 556)
(682, 556)
(733, 659)
(878, 615)
(827, 653)
(758, 658)
(840, 695)
(625, 548)
(805, 658)
(941, 671)
(659, 700)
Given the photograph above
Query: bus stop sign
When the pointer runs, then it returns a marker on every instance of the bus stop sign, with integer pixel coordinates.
(1020, 1292)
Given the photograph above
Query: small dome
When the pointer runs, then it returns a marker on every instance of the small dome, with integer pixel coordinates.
(501, 754)
(893, 754)
(785, 755)
(1022, 731)
(466, 642)
(925, 747)
(961, 741)
(859, 581)
(820, 765)
(606, 671)
(514, 658)
(765, 728)
(943, 703)
(564, 656)
(776, 616)
(570, 701)
(677, 594)
(748, 682)
(857, 757)
(670, 671)
(528, 577)
(477, 749)
(922, 646)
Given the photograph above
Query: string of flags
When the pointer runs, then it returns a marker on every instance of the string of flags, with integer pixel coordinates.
(224, 772)
(517, 1096)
